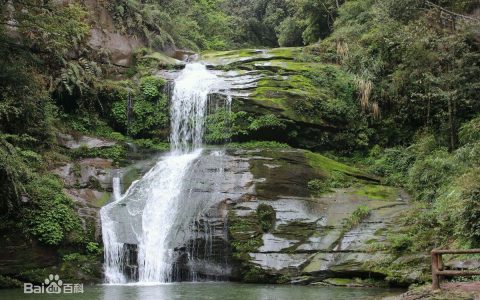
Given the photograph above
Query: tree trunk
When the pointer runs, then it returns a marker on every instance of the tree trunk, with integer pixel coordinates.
(452, 123)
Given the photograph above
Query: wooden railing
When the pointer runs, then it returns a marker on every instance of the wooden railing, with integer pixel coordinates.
(449, 18)
(438, 270)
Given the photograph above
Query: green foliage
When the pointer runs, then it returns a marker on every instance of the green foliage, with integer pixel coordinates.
(93, 248)
(281, 22)
(446, 183)
(418, 77)
(266, 216)
(77, 76)
(138, 112)
(181, 23)
(428, 174)
(151, 87)
(13, 175)
(266, 121)
(49, 214)
(335, 179)
(401, 242)
(469, 197)
(393, 165)
(290, 32)
(117, 153)
(9, 283)
(223, 126)
(360, 213)
(152, 144)
(318, 186)
(470, 131)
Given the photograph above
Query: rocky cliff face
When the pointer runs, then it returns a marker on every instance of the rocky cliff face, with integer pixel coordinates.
(267, 225)
(105, 39)
(312, 238)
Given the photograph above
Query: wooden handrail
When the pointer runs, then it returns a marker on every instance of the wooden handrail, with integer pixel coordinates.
(437, 265)
(463, 251)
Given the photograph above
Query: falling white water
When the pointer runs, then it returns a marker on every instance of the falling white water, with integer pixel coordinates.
(188, 108)
(161, 187)
(114, 252)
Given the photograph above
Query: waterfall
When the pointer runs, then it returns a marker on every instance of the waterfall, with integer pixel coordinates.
(157, 197)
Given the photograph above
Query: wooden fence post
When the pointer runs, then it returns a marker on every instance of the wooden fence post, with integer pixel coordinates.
(435, 281)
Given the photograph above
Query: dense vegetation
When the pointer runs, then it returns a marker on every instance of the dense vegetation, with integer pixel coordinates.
(417, 81)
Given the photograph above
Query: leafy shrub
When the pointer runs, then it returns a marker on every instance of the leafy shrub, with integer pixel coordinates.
(266, 121)
(318, 186)
(401, 242)
(151, 87)
(94, 248)
(13, 175)
(334, 180)
(117, 152)
(393, 165)
(359, 214)
(49, 216)
(427, 175)
(266, 216)
(470, 131)
(222, 125)
(469, 216)
(152, 144)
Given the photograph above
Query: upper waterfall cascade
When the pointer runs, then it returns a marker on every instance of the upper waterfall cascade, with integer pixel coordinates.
(161, 197)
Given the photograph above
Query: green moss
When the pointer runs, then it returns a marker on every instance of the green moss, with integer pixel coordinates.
(254, 275)
(295, 230)
(377, 192)
(335, 179)
(325, 164)
(244, 56)
(245, 233)
(266, 217)
(245, 246)
(285, 51)
(100, 202)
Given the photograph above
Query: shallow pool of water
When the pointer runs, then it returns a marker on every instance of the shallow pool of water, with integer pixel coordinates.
(214, 290)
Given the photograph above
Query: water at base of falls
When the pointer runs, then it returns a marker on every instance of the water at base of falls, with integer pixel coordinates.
(158, 198)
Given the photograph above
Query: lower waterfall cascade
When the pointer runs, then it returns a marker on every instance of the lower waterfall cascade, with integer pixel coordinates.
(158, 208)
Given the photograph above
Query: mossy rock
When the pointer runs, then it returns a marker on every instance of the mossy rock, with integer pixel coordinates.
(245, 233)
(377, 192)
(266, 217)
